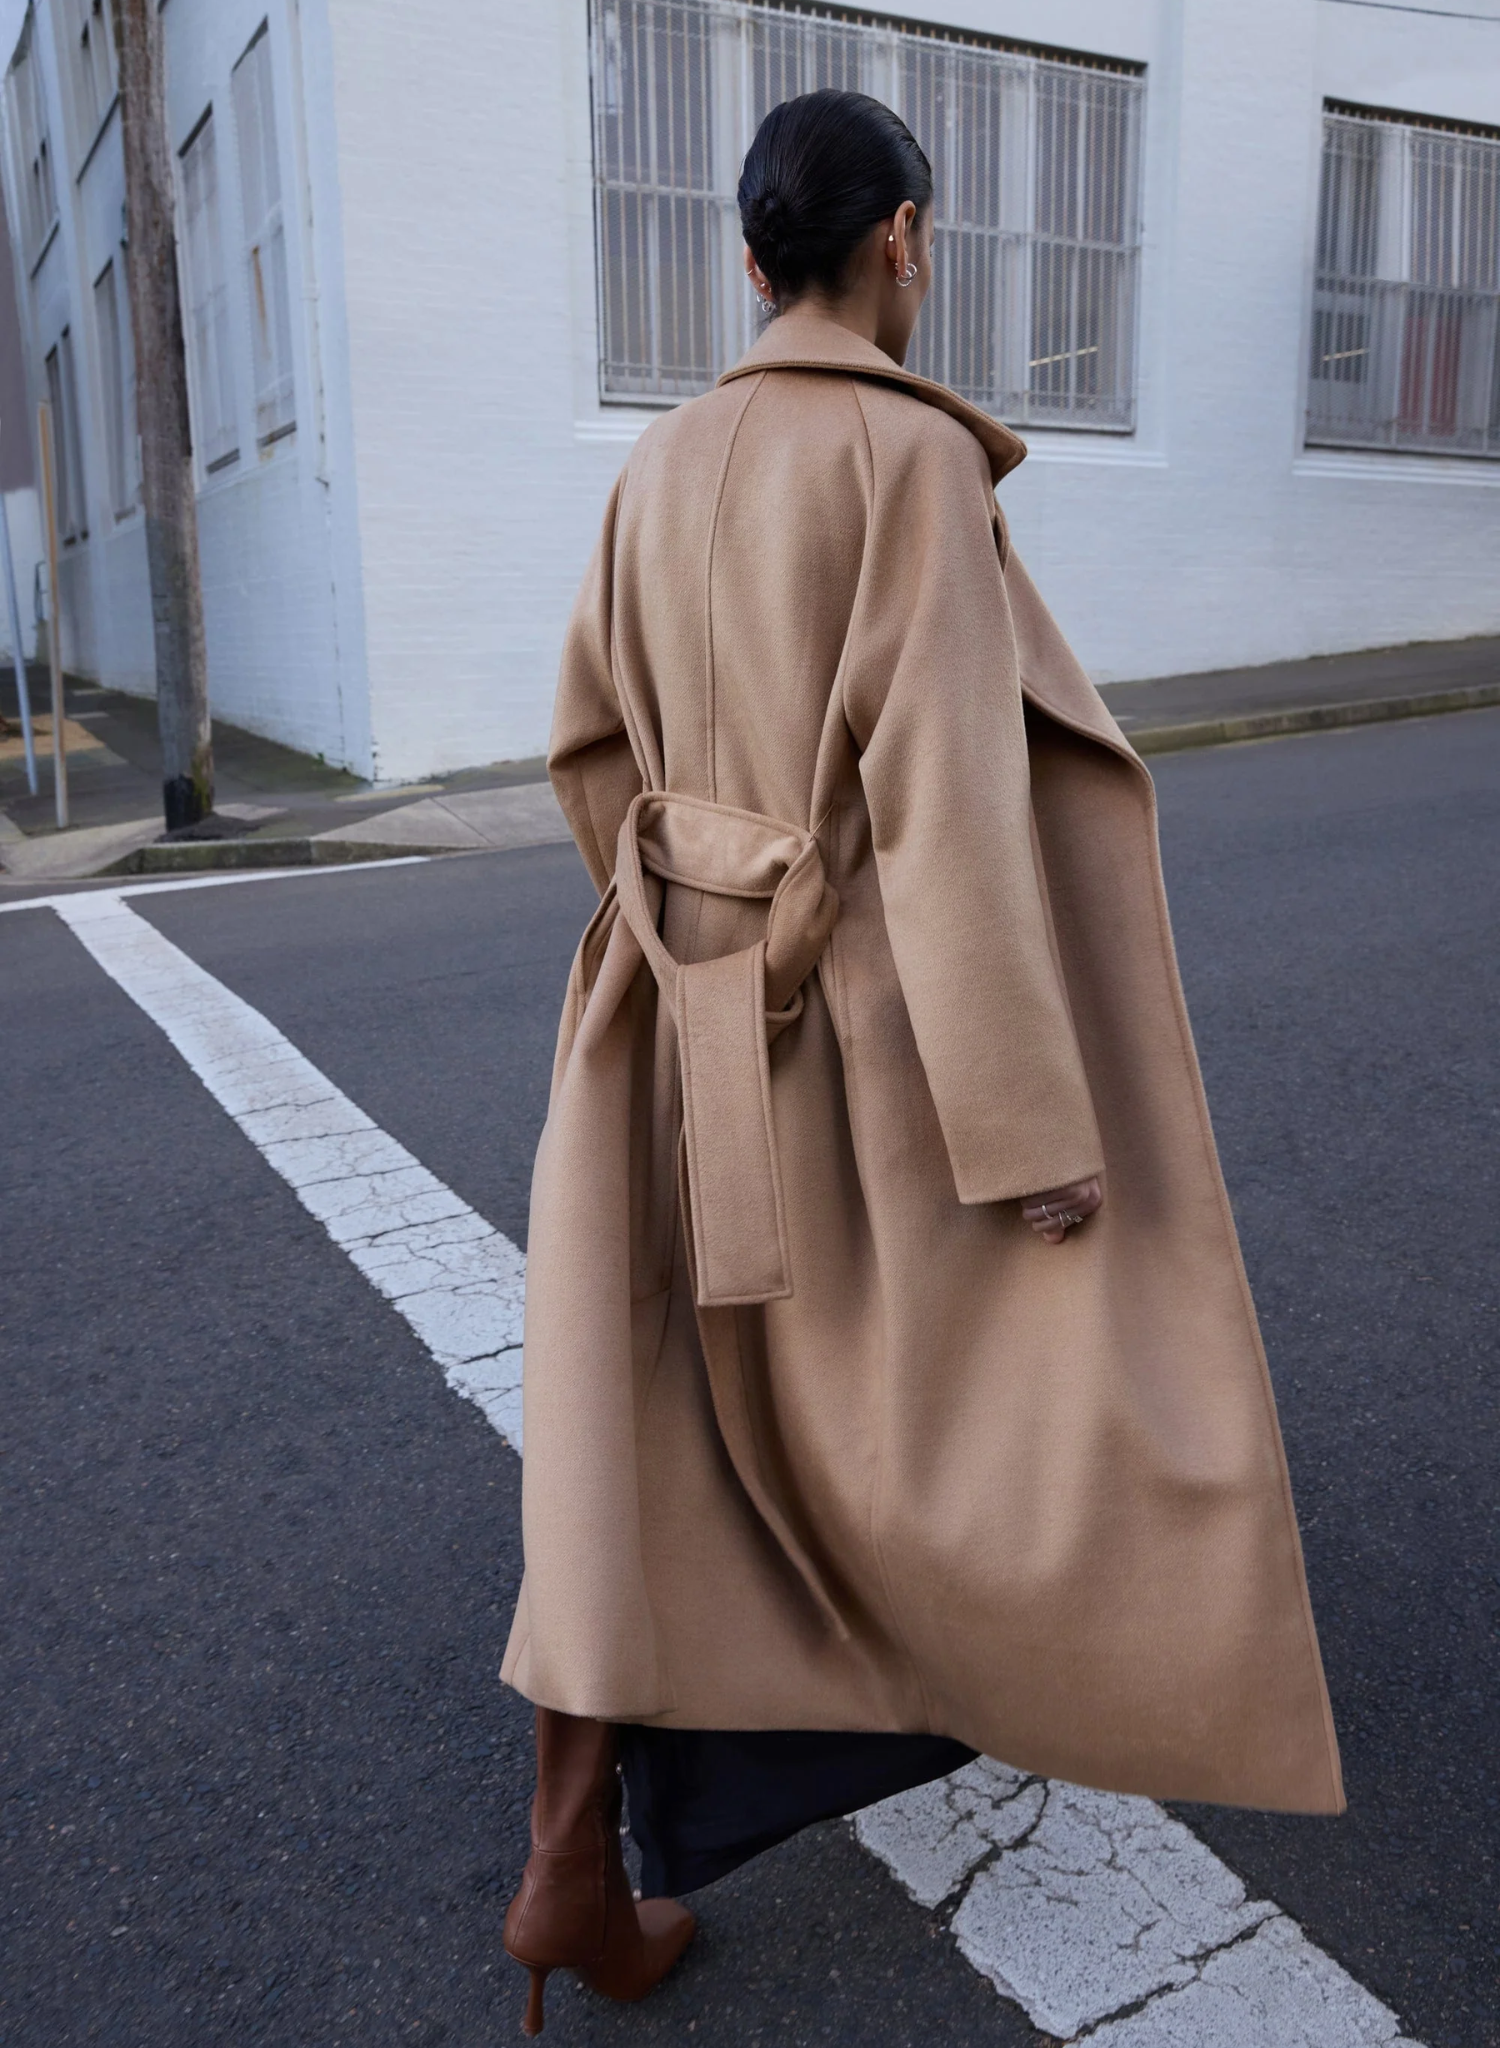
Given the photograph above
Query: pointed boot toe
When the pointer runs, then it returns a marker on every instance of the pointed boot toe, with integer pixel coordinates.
(637, 1965)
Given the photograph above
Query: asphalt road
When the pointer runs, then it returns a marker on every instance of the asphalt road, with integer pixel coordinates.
(261, 1783)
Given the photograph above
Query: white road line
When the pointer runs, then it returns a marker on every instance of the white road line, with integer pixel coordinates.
(454, 1278)
(1102, 1917)
(115, 890)
(1108, 1921)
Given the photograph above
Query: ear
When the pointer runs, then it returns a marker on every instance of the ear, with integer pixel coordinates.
(897, 240)
(758, 279)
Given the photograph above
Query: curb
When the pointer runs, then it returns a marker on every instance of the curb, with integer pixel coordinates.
(205, 855)
(194, 856)
(1261, 725)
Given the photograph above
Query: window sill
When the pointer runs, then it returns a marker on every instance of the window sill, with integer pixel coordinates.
(1112, 448)
(625, 424)
(47, 240)
(1110, 451)
(1386, 465)
(88, 155)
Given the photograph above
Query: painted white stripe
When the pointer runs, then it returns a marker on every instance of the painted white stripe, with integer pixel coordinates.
(116, 890)
(1102, 1917)
(455, 1279)
(1107, 1920)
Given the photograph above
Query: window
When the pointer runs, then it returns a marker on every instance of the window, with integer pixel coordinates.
(33, 146)
(117, 368)
(207, 301)
(93, 64)
(67, 447)
(1035, 159)
(1406, 300)
(265, 242)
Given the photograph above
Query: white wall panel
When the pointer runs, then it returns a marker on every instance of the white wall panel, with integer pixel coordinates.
(278, 533)
(457, 161)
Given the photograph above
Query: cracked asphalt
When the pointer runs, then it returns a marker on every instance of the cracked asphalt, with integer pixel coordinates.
(260, 1781)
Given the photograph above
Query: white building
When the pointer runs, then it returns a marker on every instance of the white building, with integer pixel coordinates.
(1233, 269)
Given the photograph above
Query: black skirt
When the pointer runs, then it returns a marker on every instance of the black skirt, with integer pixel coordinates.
(704, 1801)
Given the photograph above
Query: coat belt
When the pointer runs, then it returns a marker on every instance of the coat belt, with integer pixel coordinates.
(726, 1012)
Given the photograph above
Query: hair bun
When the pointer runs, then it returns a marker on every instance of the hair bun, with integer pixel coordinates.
(769, 219)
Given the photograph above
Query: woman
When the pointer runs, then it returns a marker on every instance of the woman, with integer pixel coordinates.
(864, 1429)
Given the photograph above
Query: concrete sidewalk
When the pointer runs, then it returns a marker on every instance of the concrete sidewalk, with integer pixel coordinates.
(294, 811)
(1415, 681)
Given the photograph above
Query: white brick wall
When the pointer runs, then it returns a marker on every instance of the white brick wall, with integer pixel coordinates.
(478, 502)
(391, 590)
(1209, 539)
(1238, 546)
(278, 533)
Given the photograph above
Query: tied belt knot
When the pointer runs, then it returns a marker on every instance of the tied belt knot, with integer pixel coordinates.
(726, 1012)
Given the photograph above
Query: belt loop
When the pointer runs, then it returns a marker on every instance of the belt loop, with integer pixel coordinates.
(738, 1233)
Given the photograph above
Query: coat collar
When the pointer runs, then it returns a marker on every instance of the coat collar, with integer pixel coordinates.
(805, 340)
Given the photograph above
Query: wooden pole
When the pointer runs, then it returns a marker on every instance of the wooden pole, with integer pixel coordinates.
(54, 613)
(167, 486)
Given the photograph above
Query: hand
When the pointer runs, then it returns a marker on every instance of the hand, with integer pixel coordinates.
(1045, 1213)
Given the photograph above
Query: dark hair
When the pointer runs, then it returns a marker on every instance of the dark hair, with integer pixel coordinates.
(822, 170)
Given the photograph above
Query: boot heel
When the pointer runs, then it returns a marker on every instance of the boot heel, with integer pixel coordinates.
(535, 2018)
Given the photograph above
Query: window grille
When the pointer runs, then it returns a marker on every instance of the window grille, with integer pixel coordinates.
(265, 242)
(117, 369)
(33, 146)
(1406, 299)
(92, 39)
(1036, 163)
(208, 301)
(67, 445)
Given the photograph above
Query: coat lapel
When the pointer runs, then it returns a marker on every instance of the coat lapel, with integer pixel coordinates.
(803, 340)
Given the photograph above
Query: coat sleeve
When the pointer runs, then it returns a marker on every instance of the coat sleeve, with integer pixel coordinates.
(589, 757)
(932, 694)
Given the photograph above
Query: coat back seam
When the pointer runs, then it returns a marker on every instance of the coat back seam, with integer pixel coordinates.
(711, 734)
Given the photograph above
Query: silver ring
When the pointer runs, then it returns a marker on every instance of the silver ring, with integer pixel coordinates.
(1067, 1217)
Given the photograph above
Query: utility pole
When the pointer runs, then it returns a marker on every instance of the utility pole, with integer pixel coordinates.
(187, 761)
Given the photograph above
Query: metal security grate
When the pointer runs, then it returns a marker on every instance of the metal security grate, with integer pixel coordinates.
(1406, 305)
(1036, 162)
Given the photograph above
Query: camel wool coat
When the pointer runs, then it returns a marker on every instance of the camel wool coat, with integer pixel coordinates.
(819, 1434)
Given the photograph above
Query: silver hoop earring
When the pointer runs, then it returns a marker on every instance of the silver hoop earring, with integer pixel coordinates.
(907, 276)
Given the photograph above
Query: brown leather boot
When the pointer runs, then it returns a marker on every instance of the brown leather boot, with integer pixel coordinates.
(574, 1910)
